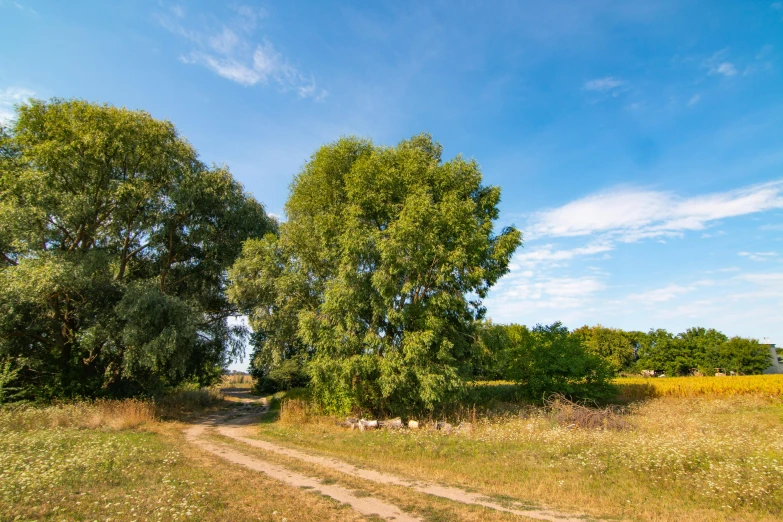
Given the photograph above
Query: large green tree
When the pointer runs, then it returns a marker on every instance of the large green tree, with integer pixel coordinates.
(114, 245)
(377, 276)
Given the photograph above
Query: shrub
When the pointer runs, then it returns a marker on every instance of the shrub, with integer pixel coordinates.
(290, 373)
(549, 359)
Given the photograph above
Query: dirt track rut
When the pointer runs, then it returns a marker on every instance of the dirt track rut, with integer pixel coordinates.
(235, 425)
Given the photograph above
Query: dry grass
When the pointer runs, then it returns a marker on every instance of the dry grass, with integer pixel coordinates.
(636, 388)
(185, 403)
(428, 507)
(110, 414)
(116, 460)
(700, 459)
(237, 380)
(573, 415)
(298, 411)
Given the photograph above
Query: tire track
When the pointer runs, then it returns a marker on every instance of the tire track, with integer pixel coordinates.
(368, 506)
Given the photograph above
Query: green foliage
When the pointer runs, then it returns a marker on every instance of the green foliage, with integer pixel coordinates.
(695, 350)
(550, 359)
(290, 373)
(744, 356)
(114, 245)
(369, 278)
(703, 350)
(8, 374)
(614, 346)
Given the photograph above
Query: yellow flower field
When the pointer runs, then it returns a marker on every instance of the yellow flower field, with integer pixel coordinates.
(650, 387)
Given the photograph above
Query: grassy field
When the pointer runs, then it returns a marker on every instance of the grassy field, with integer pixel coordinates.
(118, 461)
(701, 449)
(698, 457)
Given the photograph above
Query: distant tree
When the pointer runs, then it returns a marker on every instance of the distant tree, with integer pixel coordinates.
(744, 356)
(114, 245)
(703, 347)
(550, 359)
(377, 276)
(613, 345)
(662, 350)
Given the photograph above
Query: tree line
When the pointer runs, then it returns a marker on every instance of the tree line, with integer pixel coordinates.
(696, 351)
(125, 260)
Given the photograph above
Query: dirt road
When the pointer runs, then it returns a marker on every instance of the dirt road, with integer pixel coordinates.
(237, 424)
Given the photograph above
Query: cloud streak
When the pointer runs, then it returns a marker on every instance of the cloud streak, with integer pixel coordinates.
(758, 256)
(632, 214)
(607, 83)
(230, 50)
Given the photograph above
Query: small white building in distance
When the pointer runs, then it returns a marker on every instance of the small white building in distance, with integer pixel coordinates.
(777, 364)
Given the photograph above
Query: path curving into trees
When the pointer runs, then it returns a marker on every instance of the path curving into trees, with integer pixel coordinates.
(236, 422)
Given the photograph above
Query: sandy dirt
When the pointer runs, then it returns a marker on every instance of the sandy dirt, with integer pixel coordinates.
(364, 505)
(238, 424)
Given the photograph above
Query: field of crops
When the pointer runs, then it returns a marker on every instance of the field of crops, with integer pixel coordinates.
(650, 387)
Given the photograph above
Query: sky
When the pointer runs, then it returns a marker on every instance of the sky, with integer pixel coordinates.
(638, 144)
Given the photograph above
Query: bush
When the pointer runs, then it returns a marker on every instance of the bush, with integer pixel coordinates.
(549, 359)
(290, 373)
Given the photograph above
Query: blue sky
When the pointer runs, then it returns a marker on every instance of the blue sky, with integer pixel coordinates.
(639, 144)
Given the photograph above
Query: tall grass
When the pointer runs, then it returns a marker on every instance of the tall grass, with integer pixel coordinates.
(111, 414)
(238, 380)
(186, 402)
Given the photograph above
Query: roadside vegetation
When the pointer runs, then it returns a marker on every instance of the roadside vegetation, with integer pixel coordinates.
(125, 460)
(702, 456)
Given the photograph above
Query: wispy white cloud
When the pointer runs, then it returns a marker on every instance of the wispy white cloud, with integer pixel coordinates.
(668, 292)
(549, 254)
(772, 281)
(9, 98)
(660, 295)
(525, 292)
(629, 214)
(21, 7)
(758, 256)
(607, 83)
(694, 100)
(231, 50)
(724, 68)
(744, 298)
(717, 64)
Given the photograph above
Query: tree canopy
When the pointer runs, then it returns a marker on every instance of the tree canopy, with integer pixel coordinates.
(377, 275)
(114, 245)
(698, 349)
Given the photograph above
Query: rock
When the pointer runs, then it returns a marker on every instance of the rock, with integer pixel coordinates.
(368, 425)
(391, 423)
(444, 427)
(414, 425)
